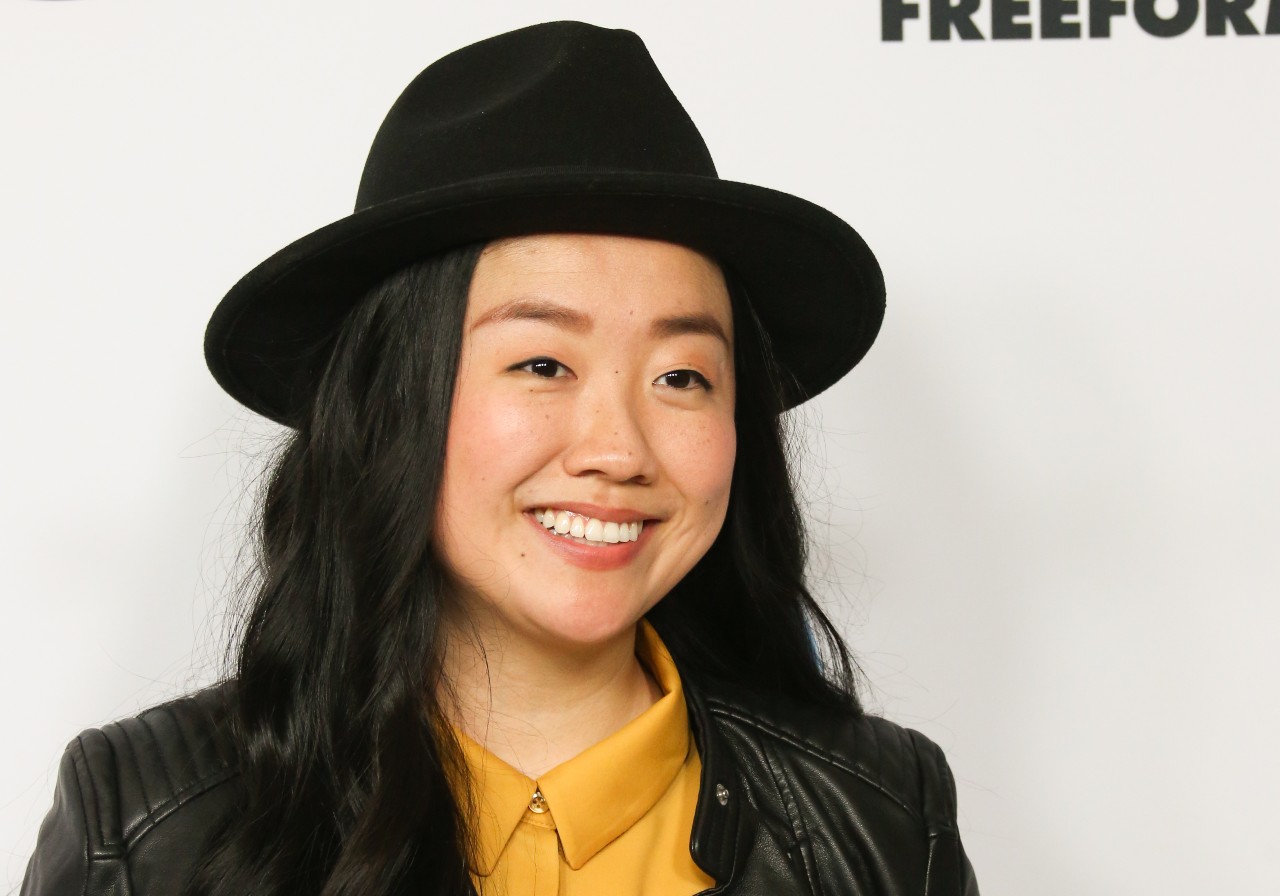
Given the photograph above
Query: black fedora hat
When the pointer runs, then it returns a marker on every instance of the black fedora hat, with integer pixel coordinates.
(555, 127)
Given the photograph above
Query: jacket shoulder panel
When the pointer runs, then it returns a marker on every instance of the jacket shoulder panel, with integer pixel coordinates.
(901, 764)
(855, 803)
(118, 783)
(162, 759)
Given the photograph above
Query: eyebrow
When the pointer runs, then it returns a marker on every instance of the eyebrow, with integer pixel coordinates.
(578, 322)
(536, 309)
(695, 324)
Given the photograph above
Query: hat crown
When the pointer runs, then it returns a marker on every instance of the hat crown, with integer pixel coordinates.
(562, 127)
(552, 97)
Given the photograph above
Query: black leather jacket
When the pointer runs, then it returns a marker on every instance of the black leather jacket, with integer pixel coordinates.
(793, 800)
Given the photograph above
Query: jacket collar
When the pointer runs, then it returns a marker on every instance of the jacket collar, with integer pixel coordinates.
(724, 822)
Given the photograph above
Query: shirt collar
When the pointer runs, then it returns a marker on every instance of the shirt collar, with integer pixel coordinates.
(598, 795)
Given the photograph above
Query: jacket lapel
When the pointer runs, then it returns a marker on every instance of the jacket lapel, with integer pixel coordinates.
(728, 841)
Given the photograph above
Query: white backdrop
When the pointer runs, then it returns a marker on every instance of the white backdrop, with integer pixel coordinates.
(1049, 495)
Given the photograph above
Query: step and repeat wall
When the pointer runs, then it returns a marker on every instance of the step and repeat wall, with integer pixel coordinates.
(1045, 505)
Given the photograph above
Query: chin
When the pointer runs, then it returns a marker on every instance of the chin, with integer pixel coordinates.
(593, 620)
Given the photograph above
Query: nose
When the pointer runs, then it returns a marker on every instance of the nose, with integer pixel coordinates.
(608, 438)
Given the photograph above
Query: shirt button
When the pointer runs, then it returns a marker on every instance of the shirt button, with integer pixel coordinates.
(537, 803)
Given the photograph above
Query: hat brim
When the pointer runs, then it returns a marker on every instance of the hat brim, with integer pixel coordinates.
(812, 281)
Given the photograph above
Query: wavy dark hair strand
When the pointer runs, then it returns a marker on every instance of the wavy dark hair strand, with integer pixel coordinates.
(335, 706)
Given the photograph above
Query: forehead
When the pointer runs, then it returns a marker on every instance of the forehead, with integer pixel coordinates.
(601, 274)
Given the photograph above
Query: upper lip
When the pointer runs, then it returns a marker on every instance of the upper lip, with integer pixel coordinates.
(597, 511)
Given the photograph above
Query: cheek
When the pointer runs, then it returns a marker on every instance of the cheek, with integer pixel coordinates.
(699, 461)
(488, 431)
(493, 446)
(482, 432)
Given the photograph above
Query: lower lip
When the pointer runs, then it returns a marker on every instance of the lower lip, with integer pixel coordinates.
(606, 556)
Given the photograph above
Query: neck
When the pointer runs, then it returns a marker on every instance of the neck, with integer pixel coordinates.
(535, 705)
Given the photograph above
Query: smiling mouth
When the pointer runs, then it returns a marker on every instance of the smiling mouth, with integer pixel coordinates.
(586, 529)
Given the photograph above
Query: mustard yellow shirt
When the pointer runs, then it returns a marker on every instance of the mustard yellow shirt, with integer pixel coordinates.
(614, 819)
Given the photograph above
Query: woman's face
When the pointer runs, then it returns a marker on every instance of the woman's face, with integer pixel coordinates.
(595, 393)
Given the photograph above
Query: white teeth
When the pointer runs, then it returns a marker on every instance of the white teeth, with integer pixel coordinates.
(588, 529)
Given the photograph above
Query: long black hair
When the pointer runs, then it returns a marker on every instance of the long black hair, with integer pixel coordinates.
(351, 783)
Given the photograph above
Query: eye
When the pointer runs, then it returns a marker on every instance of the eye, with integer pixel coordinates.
(547, 368)
(683, 380)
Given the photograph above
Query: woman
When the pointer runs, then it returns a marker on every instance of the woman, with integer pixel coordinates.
(532, 616)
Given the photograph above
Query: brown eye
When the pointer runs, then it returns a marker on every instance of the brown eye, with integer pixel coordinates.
(547, 368)
(683, 379)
